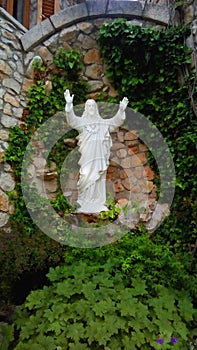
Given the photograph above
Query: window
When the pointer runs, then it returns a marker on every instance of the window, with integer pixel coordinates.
(47, 8)
(19, 9)
(27, 14)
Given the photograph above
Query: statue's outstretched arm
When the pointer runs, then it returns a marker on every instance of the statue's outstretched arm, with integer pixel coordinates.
(120, 116)
(72, 119)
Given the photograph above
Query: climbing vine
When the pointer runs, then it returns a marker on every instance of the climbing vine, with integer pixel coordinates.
(149, 67)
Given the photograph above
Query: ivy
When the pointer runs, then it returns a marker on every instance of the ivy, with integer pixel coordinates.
(148, 66)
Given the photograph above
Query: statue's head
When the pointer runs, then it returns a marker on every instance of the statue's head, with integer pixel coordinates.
(91, 107)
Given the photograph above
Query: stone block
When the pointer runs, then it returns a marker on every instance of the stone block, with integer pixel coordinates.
(151, 13)
(130, 136)
(69, 16)
(4, 202)
(127, 183)
(8, 122)
(121, 153)
(2, 155)
(4, 217)
(37, 34)
(6, 182)
(86, 42)
(127, 163)
(120, 135)
(93, 71)
(132, 150)
(125, 7)
(52, 43)
(5, 68)
(69, 34)
(11, 100)
(4, 135)
(96, 8)
(137, 160)
(46, 55)
(124, 173)
(27, 83)
(118, 186)
(92, 56)
(85, 27)
(117, 145)
(12, 84)
(146, 186)
(51, 186)
(95, 85)
(148, 173)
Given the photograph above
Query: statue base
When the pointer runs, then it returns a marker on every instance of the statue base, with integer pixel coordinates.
(92, 208)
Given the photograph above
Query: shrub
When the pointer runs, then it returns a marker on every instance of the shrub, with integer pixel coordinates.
(93, 306)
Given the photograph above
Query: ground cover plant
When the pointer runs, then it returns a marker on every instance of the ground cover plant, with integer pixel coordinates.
(110, 298)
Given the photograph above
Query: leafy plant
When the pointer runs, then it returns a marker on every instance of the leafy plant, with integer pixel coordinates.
(92, 306)
(148, 66)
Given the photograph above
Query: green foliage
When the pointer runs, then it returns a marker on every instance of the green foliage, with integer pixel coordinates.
(89, 305)
(70, 61)
(6, 335)
(26, 248)
(113, 211)
(148, 66)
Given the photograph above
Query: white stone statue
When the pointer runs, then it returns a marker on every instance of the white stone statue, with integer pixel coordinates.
(94, 142)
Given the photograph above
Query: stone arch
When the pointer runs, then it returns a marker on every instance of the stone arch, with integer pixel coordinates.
(90, 10)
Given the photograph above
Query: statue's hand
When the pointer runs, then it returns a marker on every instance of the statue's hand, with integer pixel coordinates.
(68, 97)
(124, 103)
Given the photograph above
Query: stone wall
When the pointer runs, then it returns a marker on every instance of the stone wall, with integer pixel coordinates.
(129, 177)
(73, 27)
(12, 100)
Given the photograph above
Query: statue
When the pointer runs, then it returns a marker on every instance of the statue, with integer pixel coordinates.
(94, 142)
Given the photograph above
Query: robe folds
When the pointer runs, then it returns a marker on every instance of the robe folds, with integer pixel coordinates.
(94, 143)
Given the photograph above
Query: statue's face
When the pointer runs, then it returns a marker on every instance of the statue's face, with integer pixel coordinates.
(90, 107)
